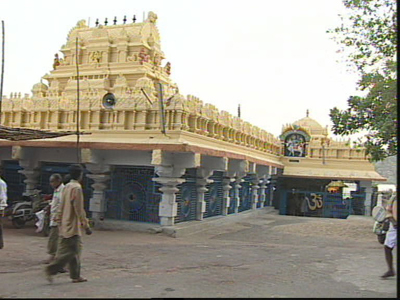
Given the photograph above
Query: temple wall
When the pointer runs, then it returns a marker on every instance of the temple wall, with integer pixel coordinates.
(56, 113)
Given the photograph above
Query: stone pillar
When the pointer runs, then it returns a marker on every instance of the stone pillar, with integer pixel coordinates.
(140, 122)
(169, 179)
(100, 176)
(226, 201)
(254, 192)
(31, 172)
(368, 197)
(202, 180)
(237, 186)
(122, 52)
(262, 197)
(201, 204)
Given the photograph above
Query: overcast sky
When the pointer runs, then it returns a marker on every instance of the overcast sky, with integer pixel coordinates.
(273, 57)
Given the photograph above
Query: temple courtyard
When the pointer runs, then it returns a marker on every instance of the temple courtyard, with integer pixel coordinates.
(256, 254)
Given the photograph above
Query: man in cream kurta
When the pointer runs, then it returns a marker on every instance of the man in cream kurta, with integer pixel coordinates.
(72, 218)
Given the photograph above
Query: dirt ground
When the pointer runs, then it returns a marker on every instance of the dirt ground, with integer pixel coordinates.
(267, 256)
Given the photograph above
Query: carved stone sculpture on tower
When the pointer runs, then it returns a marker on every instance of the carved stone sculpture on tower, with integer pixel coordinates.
(56, 61)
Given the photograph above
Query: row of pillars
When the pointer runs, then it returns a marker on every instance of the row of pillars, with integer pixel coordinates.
(168, 204)
(169, 178)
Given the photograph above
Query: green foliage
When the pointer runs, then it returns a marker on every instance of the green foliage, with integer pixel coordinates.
(370, 36)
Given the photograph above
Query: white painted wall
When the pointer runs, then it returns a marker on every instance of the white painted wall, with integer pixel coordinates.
(123, 157)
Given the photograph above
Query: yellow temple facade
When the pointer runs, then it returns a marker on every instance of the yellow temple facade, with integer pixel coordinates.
(155, 155)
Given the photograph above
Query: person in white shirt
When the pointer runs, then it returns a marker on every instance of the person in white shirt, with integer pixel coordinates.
(56, 183)
(391, 235)
(3, 205)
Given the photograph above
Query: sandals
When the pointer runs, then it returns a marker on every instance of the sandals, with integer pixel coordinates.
(80, 279)
(48, 277)
(388, 274)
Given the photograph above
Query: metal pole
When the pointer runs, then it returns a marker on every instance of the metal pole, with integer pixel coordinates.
(78, 154)
(2, 67)
(162, 112)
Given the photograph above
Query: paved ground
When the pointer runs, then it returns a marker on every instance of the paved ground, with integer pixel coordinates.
(264, 256)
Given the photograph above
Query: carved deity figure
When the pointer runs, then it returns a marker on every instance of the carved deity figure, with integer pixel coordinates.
(167, 68)
(152, 17)
(81, 24)
(157, 59)
(143, 56)
(95, 57)
(133, 57)
(56, 61)
(295, 146)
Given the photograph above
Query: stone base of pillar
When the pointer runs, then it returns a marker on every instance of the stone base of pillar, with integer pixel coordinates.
(168, 206)
(167, 221)
(226, 201)
(97, 204)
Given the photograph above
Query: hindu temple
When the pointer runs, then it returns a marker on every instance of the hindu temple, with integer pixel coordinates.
(154, 155)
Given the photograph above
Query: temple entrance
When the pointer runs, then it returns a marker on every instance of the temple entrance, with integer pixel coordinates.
(315, 204)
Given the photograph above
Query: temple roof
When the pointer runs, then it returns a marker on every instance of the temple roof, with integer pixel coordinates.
(21, 134)
(328, 172)
(311, 125)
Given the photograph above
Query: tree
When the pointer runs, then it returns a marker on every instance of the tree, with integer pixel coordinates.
(368, 34)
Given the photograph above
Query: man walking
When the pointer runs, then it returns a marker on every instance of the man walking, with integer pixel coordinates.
(391, 235)
(3, 205)
(58, 186)
(71, 218)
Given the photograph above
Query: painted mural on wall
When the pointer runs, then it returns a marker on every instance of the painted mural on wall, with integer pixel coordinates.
(295, 142)
(295, 145)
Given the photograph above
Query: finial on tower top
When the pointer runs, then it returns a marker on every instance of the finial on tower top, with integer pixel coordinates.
(307, 113)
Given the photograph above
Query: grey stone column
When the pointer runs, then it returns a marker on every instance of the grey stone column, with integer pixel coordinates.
(237, 186)
(201, 182)
(32, 172)
(169, 180)
(254, 192)
(368, 196)
(100, 176)
(262, 197)
(226, 187)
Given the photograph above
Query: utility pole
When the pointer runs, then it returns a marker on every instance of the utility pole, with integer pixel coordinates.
(78, 153)
(2, 67)
(161, 104)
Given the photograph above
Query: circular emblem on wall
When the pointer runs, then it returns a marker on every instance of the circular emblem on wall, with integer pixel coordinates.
(109, 100)
(185, 208)
(245, 193)
(134, 197)
(213, 197)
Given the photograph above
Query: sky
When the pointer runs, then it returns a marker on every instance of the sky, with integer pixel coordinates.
(274, 58)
